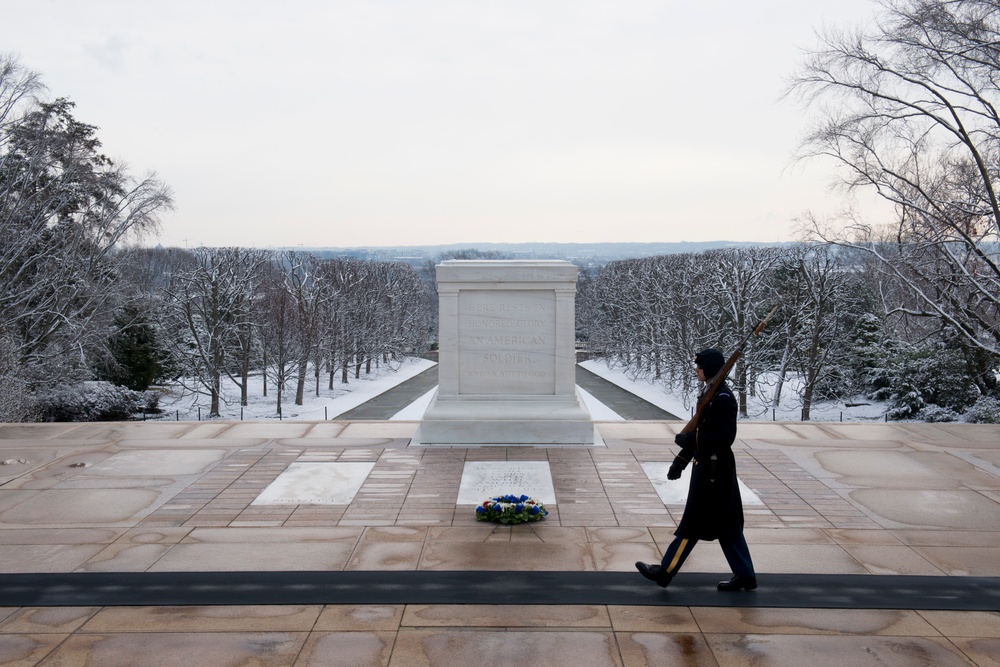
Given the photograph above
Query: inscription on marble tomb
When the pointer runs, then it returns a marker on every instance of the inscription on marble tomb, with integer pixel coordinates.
(506, 335)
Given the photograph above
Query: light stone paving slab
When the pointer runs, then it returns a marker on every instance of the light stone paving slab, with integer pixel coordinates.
(250, 556)
(632, 430)
(674, 492)
(200, 430)
(266, 649)
(964, 561)
(652, 619)
(874, 622)
(47, 619)
(34, 432)
(384, 556)
(156, 462)
(776, 558)
(29, 648)
(158, 430)
(267, 430)
(763, 431)
(46, 558)
(665, 648)
(499, 555)
(385, 431)
(75, 507)
(946, 538)
(789, 536)
(888, 432)
(965, 469)
(59, 535)
(985, 434)
(883, 559)
(867, 468)
(507, 616)
(316, 484)
(856, 651)
(487, 479)
(189, 443)
(325, 430)
(356, 618)
(236, 618)
(123, 557)
(915, 508)
(267, 534)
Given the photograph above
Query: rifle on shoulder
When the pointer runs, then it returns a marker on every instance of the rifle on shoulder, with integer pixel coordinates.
(720, 377)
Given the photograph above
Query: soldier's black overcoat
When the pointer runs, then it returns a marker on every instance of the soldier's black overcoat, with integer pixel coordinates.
(714, 508)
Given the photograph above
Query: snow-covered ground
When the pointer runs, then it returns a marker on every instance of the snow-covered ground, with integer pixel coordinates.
(331, 402)
(789, 410)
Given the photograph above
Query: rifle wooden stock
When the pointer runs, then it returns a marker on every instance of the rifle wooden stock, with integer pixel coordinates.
(720, 377)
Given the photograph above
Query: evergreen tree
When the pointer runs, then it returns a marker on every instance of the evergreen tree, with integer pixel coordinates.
(137, 359)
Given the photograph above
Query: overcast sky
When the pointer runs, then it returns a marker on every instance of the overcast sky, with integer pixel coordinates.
(350, 122)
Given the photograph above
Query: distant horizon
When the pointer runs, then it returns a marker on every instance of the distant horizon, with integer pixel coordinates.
(493, 244)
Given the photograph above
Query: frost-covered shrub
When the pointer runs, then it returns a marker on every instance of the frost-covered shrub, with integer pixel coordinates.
(916, 378)
(985, 411)
(94, 401)
(937, 413)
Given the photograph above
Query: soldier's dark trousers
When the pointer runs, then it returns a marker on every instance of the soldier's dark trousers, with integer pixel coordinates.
(735, 550)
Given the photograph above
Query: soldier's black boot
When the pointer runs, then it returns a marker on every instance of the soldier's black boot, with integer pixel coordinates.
(654, 573)
(738, 583)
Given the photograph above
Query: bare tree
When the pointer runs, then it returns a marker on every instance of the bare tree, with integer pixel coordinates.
(739, 291)
(309, 294)
(819, 297)
(279, 338)
(908, 109)
(212, 306)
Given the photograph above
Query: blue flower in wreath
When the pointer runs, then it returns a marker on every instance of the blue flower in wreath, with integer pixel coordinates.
(480, 510)
(523, 498)
(519, 507)
(534, 509)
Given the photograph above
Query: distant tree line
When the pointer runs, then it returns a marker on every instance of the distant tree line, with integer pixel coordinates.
(839, 333)
(288, 319)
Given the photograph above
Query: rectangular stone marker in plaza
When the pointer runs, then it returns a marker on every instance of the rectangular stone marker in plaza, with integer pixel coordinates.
(507, 356)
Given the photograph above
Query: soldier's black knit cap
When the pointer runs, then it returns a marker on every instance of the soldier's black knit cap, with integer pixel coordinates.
(711, 361)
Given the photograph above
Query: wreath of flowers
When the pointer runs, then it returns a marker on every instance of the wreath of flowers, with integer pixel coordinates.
(511, 509)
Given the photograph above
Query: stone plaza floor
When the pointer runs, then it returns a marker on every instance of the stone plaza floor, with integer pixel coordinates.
(856, 499)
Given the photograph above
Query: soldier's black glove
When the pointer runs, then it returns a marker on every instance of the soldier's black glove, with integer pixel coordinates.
(683, 439)
(676, 468)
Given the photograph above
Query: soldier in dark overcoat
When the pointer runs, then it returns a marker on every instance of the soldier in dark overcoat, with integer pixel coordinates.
(714, 509)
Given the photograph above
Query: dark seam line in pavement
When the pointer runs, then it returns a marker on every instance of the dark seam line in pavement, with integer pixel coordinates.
(795, 591)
